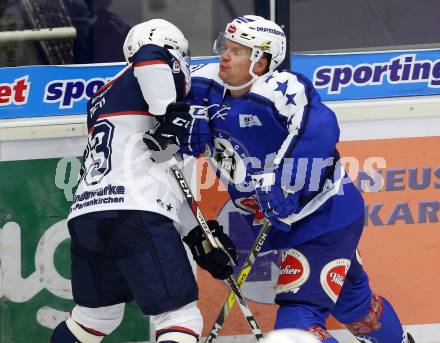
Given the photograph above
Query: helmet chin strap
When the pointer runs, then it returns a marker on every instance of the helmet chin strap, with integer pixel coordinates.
(237, 88)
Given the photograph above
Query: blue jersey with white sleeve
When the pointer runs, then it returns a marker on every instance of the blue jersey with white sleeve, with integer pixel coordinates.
(280, 123)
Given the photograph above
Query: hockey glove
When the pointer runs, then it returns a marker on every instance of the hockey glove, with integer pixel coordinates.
(213, 260)
(272, 199)
(170, 128)
(198, 135)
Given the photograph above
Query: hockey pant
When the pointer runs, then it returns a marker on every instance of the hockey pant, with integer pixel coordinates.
(324, 276)
(118, 256)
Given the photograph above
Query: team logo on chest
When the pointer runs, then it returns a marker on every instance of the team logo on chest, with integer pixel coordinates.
(294, 271)
(229, 157)
(333, 276)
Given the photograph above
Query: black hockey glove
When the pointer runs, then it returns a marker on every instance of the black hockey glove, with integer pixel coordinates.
(170, 129)
(215, 261)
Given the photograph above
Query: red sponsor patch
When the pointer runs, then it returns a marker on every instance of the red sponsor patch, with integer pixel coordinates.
(335, 279)
(333, 276)
(232, 29)
(251, 205)
(294, 271)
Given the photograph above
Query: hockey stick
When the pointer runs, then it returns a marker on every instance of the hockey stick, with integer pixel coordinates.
(214, 243)
(244, 273)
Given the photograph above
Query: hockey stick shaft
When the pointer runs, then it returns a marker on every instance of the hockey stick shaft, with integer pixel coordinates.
(235, 288)
(244, 273)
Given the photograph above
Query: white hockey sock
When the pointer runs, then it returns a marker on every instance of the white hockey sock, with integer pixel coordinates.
(186, 320)
(179, 337)
(81, 334)
(102, 319)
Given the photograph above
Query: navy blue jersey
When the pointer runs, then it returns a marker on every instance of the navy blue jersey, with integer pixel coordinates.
(117, 172)
(280, 123)
(123, 93)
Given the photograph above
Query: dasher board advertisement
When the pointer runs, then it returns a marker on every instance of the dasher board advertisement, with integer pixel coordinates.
(35, 91)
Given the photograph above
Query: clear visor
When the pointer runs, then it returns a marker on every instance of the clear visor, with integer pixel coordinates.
(187, 58)
(219, 44)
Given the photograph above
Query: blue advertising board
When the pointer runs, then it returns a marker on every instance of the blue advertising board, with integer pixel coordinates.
(372, 75)
(63, 90)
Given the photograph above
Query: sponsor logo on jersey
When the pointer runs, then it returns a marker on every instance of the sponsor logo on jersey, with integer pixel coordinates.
(333, 276)
(249, 120)
(294, 271)
(251, 205)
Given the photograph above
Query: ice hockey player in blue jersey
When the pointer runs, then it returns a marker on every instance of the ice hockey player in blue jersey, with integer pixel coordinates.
(274, 141)
(128, 214)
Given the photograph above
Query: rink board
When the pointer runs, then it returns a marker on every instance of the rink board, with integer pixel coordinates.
(34, 249)
(399, 246)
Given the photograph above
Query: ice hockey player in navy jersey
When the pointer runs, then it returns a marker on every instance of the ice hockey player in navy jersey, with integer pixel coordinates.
(274, 141)
(128, 211)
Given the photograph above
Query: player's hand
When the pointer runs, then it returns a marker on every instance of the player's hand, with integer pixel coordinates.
(272, 199)
(170, 127)
(198, 134)
(165, 139)
(214, 260)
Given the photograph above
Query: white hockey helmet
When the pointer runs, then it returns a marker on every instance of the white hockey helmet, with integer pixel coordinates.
(259, 34)
(162, 33)
(158, 32)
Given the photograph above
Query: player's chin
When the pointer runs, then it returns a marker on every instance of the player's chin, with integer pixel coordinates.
(223, 76)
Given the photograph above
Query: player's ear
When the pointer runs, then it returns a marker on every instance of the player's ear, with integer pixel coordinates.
(261, 66)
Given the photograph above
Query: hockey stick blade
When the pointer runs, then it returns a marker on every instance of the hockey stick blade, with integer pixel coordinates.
(242, 276)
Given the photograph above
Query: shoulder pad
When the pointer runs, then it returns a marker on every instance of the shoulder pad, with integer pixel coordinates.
(284, 89)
